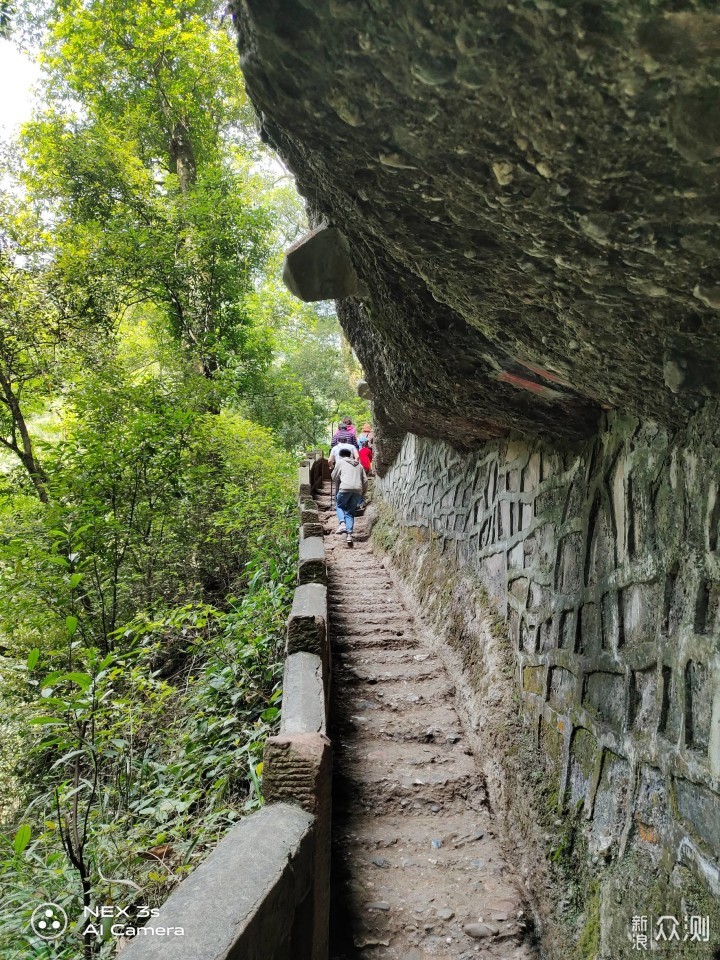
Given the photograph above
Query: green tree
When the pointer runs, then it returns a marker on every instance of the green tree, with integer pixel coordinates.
(151, 182)
(27, 341)
(312, 380)
(151, 369)
(6, 11)
(159, 572)
(45, 321)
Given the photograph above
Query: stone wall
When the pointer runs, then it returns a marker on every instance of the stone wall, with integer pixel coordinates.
(604, 561)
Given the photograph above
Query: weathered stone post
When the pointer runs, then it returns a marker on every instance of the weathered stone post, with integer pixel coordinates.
(304, 485)
(298, 762)
(298, 769)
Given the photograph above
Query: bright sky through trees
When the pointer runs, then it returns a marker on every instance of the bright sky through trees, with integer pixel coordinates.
(18, 72)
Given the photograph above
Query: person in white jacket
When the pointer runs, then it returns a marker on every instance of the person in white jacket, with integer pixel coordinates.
(352, 485)
(337, 450)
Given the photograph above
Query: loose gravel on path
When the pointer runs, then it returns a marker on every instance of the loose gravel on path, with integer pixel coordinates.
(418, 869)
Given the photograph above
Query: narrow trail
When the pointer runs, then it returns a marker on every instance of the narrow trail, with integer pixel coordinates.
(418, 870)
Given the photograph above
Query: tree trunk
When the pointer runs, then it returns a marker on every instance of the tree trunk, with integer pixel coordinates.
(182, 156)
(24, 453)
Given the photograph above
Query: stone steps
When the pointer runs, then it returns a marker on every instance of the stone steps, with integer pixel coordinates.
(403, 778)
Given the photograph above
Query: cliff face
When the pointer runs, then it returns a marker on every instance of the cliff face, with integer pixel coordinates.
(603, 563)
(530, 194)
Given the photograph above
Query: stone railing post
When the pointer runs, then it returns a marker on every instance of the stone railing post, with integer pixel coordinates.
(264, 892)
(298, 769)
(298, 762)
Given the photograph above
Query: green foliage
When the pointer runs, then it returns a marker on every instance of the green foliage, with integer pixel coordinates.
(153, 183)
(22, 838)
(155, 382)
(160, 744)
(151, 503)
(193, 253)
(588, 945)
(311, 384)
(155, 70)
(147, 603)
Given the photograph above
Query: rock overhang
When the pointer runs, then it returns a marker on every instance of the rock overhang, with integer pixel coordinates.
(529, 193)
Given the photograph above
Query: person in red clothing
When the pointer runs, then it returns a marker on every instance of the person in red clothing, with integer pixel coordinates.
(365, 456)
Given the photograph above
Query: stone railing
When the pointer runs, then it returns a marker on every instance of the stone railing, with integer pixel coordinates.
(264, 892)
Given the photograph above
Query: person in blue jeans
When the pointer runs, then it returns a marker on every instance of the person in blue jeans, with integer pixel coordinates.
(348, 472)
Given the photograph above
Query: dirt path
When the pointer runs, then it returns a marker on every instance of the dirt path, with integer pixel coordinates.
(417, 869)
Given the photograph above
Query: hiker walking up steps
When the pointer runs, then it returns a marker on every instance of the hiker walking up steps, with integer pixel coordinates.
(366, 437)
(352, 483)
(345, 433)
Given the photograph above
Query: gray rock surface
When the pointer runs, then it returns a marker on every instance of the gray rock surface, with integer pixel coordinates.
(529, 192)
(318, 267)
(303, 705)
(237, 903)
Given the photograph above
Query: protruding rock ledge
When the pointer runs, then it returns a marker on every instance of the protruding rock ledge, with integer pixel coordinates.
(318, 267)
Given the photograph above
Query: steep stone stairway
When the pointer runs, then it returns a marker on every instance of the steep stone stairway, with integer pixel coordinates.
(418, 870)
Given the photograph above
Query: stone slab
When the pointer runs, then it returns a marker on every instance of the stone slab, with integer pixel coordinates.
(305, 481)
(239, 903)
(307, 624)
(311, 561)
(298, 769)
(303, 706)
(701, 808)
(318, 267)
(311, 529)
(317, 473)
(308, 510)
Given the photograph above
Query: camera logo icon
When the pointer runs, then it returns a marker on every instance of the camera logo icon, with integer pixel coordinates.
(49, 921)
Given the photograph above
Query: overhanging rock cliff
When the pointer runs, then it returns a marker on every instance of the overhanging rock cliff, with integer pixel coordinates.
(530, 192)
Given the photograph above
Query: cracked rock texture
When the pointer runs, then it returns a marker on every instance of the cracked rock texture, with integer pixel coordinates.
(604, 562)
(530, 193)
